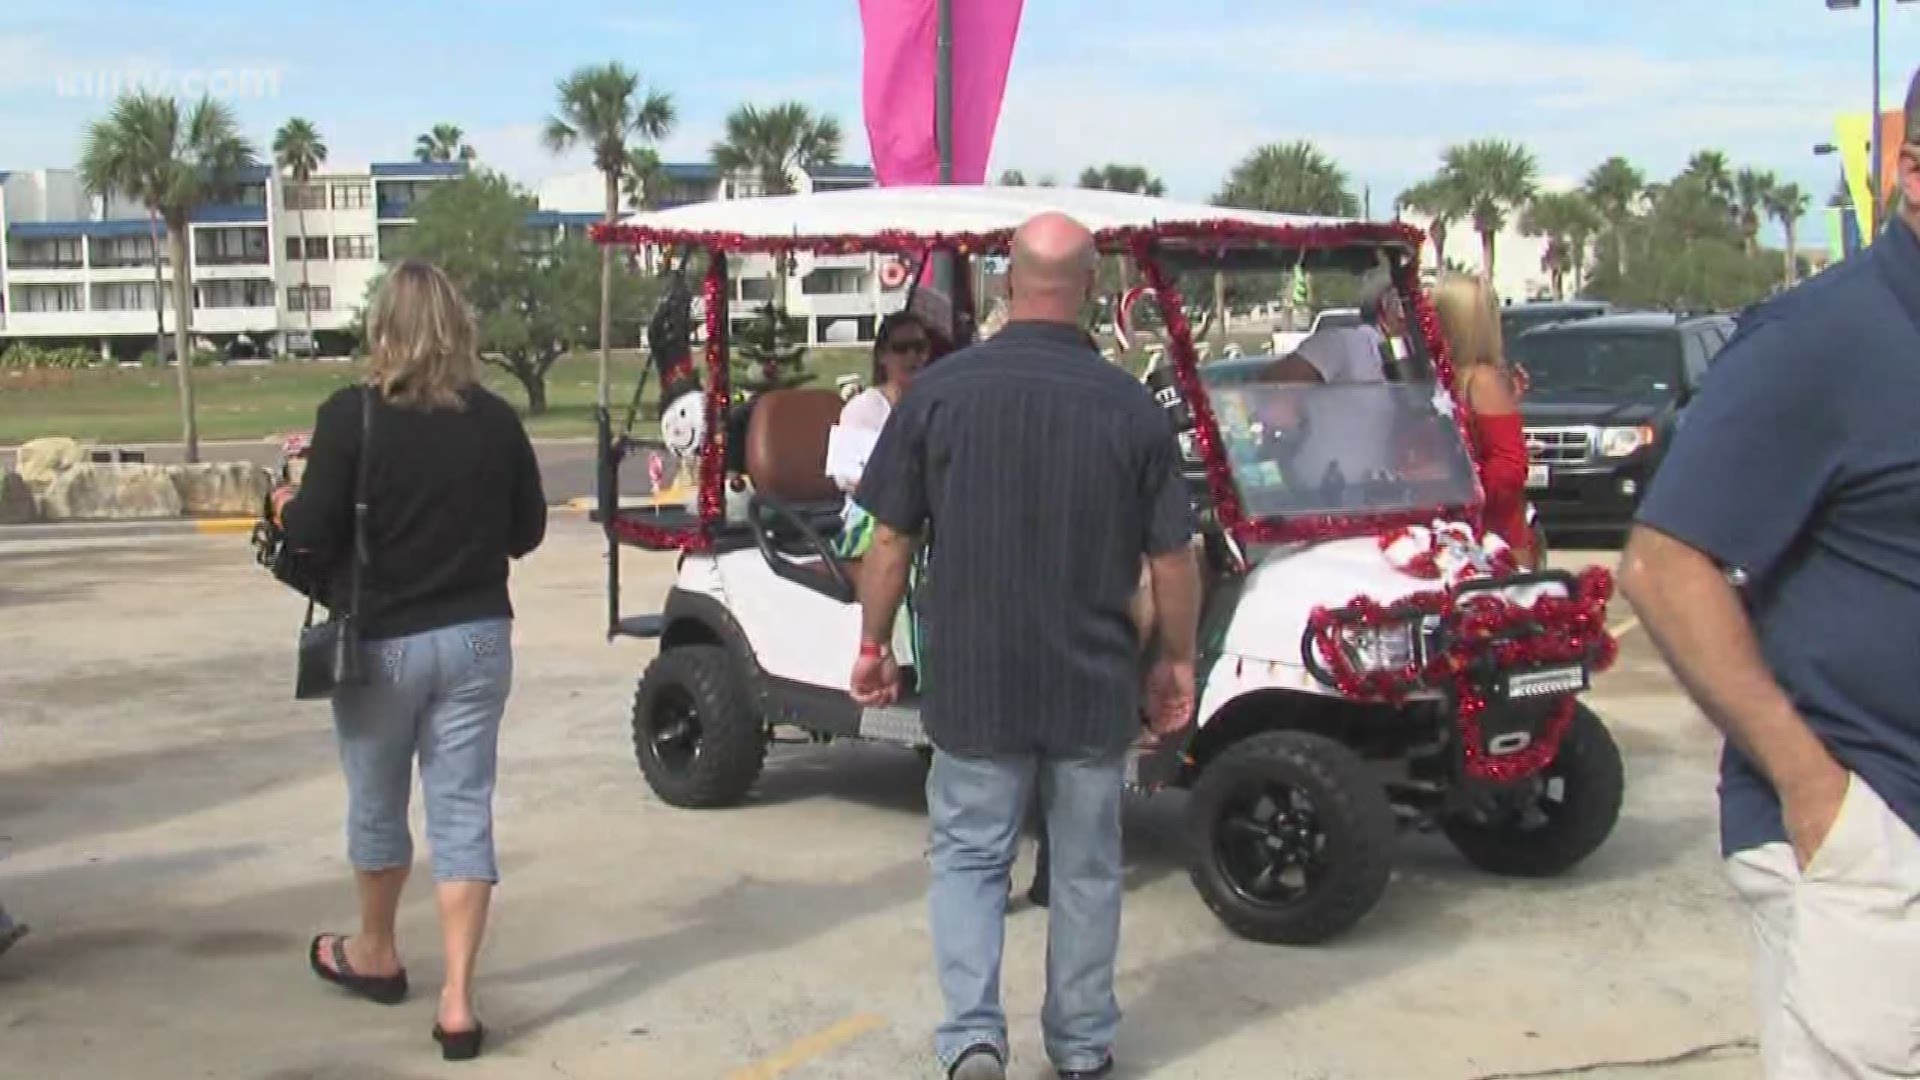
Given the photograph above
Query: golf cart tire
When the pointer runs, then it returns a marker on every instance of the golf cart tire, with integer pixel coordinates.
(1352, 811)
(732, 738)
(1589, 763)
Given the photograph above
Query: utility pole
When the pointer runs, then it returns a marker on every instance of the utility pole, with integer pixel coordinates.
(943, 90)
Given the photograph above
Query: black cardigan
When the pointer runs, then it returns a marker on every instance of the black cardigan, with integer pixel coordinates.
(452, 495)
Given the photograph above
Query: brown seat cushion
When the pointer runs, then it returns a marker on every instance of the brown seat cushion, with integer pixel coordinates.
(787, 445)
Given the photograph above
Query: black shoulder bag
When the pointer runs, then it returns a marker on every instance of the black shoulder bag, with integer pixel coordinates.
(330, 651)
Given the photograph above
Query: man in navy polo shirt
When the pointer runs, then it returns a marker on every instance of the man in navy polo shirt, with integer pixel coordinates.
(1776, 563)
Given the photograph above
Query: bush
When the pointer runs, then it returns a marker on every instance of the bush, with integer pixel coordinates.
(22, 355)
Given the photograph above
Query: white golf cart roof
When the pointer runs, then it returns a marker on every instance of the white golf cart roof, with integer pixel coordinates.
(895, 218)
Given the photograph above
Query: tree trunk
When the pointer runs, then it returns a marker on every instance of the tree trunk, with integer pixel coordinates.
(1486, 255)
(306, 281)
(535, 381)
(1793, 252)
(159, 290)
(1619, 251)
(1438, 230)
(1219, 312)
(606, 308)
(177, 236)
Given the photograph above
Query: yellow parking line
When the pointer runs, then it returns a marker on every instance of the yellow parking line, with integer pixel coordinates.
(820, 1043)
(223, 526)
(1625, 626)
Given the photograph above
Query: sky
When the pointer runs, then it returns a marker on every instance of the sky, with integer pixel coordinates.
(1185, 89)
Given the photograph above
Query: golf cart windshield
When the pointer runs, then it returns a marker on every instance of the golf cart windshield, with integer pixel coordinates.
(1368, 448)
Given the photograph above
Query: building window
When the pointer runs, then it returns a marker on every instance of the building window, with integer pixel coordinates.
(48, 298)
(297, 298)
(834, 282)
(757, 290)
(316, 248)
(352, 196)
(122, 251)
(123, 296)
(245, 293)
(230, 247)
(306, 196)
(353, 247)
(251, 195)
(56, 254)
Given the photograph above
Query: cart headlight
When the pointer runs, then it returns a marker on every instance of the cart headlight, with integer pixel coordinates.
(1381, 648)
(1619, 442)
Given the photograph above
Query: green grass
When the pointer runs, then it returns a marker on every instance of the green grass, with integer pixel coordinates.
(141, 405)
(138, 405)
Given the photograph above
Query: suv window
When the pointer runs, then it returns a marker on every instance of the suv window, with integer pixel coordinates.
(1700, 345)
(1602, 366)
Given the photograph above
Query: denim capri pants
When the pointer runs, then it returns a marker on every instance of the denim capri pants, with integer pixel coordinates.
(438, 695)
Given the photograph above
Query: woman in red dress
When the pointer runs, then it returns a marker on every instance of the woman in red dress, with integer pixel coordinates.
(1470, 319)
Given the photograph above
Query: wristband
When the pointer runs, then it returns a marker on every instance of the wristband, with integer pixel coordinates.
(874, 649)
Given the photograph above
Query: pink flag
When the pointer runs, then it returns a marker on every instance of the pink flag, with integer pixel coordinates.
(900, 69)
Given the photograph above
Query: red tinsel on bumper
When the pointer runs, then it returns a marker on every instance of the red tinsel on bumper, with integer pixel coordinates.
(1484, 628)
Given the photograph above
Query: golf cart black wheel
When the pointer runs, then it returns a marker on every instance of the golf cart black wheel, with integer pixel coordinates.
(1291, 839)
(1570, 810)
(698, 737)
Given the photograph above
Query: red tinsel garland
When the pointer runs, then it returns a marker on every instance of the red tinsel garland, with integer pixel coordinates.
(713, 453)
(1485, 628)
(1222, 232)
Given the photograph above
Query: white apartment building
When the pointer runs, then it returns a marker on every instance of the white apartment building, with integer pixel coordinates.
(275, 259)
(841, 298)
(279, 257)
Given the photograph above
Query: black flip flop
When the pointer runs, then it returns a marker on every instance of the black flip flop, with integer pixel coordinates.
(460, 1045)
(385, 989)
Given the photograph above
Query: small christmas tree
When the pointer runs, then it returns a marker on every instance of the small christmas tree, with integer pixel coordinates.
(770, 352)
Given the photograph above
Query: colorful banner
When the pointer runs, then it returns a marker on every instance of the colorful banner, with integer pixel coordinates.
(1852, 135)
(900, 67)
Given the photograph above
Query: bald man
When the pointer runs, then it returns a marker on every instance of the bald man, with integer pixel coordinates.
(1043, 475)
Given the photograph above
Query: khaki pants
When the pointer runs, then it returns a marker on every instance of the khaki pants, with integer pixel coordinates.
(1838, 965)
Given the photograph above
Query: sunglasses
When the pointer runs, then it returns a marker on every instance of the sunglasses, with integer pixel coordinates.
(906, 346)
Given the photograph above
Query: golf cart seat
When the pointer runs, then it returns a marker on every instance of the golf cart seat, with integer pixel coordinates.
(795, 509)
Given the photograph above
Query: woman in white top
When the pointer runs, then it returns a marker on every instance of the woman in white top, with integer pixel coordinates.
(900, 350)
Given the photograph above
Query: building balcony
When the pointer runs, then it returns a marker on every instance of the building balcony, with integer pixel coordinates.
(394, 210)
(239, 213)
(41, 263)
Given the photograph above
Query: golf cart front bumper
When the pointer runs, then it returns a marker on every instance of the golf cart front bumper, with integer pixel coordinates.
(1509, 654)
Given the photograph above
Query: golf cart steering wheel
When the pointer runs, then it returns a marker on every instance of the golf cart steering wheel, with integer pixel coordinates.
(834, 585)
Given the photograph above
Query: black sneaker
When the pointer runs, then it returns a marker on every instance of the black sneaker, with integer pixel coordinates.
(1098, 1072)
(978, 1062)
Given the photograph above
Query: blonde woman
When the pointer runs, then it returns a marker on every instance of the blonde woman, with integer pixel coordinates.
(1470, 319)
(454, 494)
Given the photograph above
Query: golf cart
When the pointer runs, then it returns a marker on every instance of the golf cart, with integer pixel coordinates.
(1368, 659)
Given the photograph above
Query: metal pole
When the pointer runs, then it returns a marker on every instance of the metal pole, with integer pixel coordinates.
(943, 91)
(1873, 136)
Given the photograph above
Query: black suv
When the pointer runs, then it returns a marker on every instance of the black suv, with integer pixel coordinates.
(1603, 397)
(1517, 319)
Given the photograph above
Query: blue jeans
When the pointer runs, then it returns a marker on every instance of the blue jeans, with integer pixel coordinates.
(977, 805)
(438, 695)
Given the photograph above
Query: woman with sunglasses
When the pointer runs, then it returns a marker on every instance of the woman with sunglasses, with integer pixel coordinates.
(900, 350)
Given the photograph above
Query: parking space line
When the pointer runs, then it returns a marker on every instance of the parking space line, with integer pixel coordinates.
(1624, 627)
(820, 1043)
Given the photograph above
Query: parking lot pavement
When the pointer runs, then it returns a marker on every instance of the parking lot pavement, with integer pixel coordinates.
(171, 824)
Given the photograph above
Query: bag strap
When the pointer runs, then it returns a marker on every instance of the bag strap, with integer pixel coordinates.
(361, 554)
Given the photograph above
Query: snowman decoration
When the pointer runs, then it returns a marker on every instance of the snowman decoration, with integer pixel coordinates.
(683, 414)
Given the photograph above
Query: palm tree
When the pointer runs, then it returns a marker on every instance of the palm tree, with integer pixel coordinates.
(602, 107)
(171, 162)
(1614, 188)
(1294, 178)
(1567, 221)
(1128, 178)
(446, 142)
(773, 142)
(1441, 204)
(1787, 204)
(1496, 178)
(1751, 189)
(298, 150)
(641, 180)
(1710, 167)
